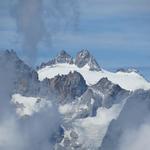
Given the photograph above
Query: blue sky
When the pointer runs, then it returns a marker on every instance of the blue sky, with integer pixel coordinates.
(117, 32)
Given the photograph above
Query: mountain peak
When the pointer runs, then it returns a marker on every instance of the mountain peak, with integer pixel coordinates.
(63, 52)
(105, 85)
(63, 57)
(9, 54)
(85, 58)
(84, 53)
(82, 58)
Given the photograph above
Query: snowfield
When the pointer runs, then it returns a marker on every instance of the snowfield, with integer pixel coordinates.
(92, 130)
(28, 105)
(129, 81)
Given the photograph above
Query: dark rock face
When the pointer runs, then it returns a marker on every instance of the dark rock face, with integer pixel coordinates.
(84, 58)
(94, 66)
(68, 86)
(135, 112)
(107, 86)
(112, 93)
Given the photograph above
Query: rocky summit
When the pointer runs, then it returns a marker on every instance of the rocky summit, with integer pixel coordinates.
(68, 87)
(83, 58)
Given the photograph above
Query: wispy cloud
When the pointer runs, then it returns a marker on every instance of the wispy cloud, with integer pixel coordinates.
(118, 25)
(103, 8)
(137, 139)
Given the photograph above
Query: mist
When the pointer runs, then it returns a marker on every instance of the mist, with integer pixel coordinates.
(30, 133)
(136, 133)
(136, 139)
(136, 122)
(39, 21)
(23, 133)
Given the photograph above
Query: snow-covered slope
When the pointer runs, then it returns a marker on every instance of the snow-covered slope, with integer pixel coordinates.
(92, 130)
(28, 105)
(129, 81)
(88, 133)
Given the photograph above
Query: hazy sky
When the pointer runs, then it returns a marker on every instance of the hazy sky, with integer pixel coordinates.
(117, 32)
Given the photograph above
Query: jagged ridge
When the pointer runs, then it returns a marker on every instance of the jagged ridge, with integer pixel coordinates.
(83, 58)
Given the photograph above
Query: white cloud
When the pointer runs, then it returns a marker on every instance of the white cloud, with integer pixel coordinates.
(136, 139)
